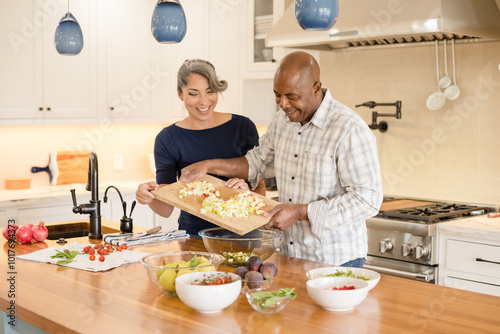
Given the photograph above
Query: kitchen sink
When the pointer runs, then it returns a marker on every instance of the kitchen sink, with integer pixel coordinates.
(74, 230)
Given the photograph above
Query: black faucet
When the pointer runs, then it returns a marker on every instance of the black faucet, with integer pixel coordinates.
(126, 225)
(93, 208)
(382, 126)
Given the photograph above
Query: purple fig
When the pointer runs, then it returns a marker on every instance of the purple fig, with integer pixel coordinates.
(268, 270)
(241, 271)
(254, 279)
(254, 263)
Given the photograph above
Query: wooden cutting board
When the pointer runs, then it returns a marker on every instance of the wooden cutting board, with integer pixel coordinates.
(192, 204)
(402, 204)
(66, 167)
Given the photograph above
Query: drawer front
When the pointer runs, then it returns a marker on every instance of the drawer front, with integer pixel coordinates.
(469, 285)
(462, 256)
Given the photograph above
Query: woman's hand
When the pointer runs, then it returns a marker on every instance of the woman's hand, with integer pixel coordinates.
(237, 184)
(143, 193)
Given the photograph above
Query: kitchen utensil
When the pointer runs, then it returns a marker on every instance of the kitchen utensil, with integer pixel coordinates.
(135, 235)
(192, 204)
(66, 167)
(452, 92)
(445, 81)
(437, 99)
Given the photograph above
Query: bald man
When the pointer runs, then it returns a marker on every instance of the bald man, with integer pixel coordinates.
(325, 161)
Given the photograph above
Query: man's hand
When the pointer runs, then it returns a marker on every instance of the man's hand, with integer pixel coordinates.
(143, 193)
(285, 215)
(194, 171)
(236, 183)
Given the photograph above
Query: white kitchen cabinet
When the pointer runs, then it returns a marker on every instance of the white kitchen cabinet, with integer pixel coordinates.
(469, 263)
(48, 213)
(260, 15)
(40, 85)
(127, 81)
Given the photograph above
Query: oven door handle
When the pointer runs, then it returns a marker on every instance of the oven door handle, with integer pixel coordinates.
(425, 277)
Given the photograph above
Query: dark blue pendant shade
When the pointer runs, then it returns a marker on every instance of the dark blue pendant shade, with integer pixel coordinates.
(69, 37)
(168, 24)
(316, 14)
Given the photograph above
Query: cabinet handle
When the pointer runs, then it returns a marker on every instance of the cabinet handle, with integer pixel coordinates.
(40, 108)
(111, 108)
(483, 260)
(48, 108)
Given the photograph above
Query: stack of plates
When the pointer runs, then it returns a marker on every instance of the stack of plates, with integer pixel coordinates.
(263, 24)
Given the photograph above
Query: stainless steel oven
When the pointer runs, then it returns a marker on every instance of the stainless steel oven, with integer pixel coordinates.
(402, 238)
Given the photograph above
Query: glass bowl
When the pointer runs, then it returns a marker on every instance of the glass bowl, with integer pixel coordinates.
(261, 305)
(163, 268)
(236, 248)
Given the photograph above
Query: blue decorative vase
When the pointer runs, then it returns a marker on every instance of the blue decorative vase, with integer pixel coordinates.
(69, 37)
(168, 24)
(316, 14)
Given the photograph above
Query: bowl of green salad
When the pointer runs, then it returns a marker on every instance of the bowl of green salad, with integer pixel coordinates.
(370, 276)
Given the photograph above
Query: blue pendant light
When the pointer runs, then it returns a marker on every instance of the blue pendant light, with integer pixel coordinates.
(69, 37)
(316, 14)
(168, 24)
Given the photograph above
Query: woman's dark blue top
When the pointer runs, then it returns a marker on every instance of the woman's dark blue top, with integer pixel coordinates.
(176, 148)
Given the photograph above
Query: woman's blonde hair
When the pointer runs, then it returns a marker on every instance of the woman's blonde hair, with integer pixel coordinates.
(203, 68)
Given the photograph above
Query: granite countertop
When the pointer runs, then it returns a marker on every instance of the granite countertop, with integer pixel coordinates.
(62, 190)
(477, 227)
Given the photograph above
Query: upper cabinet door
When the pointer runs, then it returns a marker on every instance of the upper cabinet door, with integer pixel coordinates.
(130, 76)
(69, 89)
(20, 94)
(261, 15)
(37, 83)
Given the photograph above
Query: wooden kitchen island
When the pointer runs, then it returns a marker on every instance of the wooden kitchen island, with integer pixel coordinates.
(123, 300)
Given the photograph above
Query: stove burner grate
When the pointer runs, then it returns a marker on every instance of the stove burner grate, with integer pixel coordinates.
(434, 213)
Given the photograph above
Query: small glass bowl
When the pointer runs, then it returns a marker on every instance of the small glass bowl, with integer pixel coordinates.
(259, 306)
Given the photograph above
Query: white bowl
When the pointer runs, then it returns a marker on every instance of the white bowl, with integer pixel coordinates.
(207, 298)
(372, 276)
(319, 289)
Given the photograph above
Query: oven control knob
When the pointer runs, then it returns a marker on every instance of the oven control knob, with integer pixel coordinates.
(406, 249)
(421, 251)
(385, 246)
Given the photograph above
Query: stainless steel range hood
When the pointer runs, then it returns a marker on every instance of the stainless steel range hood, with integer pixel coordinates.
(364, 23)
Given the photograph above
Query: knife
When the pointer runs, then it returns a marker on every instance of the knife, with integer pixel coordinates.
(148, 232)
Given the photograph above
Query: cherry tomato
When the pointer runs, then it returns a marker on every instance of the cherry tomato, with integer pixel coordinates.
(97, 246)
(92, 257)
(86, 249)
(102, 258)
(104, 252)
(91, 251)
(119, 249)
(228, 280)
(124, 246)
(219, 281)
